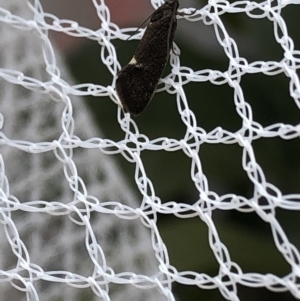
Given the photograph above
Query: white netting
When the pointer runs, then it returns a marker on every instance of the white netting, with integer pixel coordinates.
(71, 229)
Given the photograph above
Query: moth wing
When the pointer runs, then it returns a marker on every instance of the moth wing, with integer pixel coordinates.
(135, 87)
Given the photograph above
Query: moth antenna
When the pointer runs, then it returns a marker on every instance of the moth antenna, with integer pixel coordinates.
(140, 26)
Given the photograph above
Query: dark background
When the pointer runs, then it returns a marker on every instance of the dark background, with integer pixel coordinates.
(248, 238)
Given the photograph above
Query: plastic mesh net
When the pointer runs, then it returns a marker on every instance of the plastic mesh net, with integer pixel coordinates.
(61, 239)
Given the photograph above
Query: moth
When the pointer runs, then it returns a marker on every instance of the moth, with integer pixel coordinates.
(136, 82)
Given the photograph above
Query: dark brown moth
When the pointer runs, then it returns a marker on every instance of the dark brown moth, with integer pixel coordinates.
(137, 81)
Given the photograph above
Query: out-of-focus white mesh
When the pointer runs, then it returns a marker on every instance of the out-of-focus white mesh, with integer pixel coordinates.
(60, 237)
